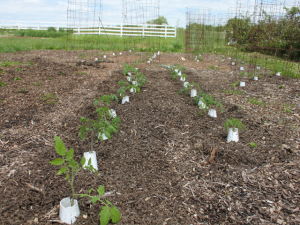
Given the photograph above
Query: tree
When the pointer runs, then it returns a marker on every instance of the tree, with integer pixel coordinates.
(161, 20)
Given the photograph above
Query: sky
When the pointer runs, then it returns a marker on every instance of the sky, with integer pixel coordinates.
(56, 10)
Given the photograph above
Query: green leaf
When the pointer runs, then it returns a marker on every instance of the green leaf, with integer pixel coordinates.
(115, 214)
(90, 161)
(90, 190)
(101, 190)
(83, 195)
(104, 215)
(83, 160)
(70, 154)
(62, 170)
(67, 176)
(107, 134)
(60, 146)
(95, 199)
(83, 119)
(57, 162)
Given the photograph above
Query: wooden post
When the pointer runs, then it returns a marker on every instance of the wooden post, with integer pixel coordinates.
(78, 30)
(99, 27)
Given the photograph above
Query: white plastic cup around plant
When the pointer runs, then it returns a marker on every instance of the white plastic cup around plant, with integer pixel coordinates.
(233, 63)
(201, 104)
(129, 78)
(125, 99)
(103, 136)
(185, 84)
(68, 213)
(158, 53)
(113, 113)
(93, 157)
(199, 55)
(137, 68)
(242, 84)
(242, 68)
(129, 74)
(278, 74)
(134, 82)
(229, 58)
(179, 73)
(193, 93)
(96, 59)
(233, 135)
(212, 113)
(104, 56)
(83, 61)
(182, 78)
(114, 54)
(197, 60)
(129, 50)
(222, 60)
(258, 67)
(148, 61)
(255, 78)
(120, 53)
(132, 90)
(176, 70)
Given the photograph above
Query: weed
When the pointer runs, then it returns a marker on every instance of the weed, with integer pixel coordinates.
(30, 64)
(23, 90)
(82, 72)
(234, 92)
(49, 98)
(60, 74)
(235, 84)
(2, 72)
(288, 108)
(256, 102)
(17, 78)
(2, 84)
(214, 67)
(253, 145)
(281, 86)
(37, 84)
(50, 78)
(19, 69)
(83, 56)
(243, 74)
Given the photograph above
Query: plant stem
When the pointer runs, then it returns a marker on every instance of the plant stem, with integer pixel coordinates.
(92, 140)
(72, 182)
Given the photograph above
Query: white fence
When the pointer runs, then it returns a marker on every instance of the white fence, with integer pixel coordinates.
(109, 29)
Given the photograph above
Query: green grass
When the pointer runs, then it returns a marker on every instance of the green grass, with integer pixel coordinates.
(6, 63)
(256, 102)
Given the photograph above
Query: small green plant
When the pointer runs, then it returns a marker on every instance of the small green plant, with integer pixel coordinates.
(50, 78)
(7, 63)
(2, 84)
(17, 78)
(19, 69)
(234, 123)
(30, 64)
(126, 86)
(281, 86)
(127, 69)
(235, 84)
(214, 67)
(188, 87)
(243, 74)
(233, 92)
(251, 75)
(256, 102)
(60, 74)
(288, 108)
(49, 98)
(37, 84)
(209, 101)
(109, 211)
(83, 56)
(140, 79)
(23, 90)
(69, 166)
(2, 72)
(82, 72)
(253, 145)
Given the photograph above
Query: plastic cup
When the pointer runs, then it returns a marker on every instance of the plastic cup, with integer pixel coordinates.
(242, 84)
(68, 213)
(93, 157)
(212, 113)
(233, 135)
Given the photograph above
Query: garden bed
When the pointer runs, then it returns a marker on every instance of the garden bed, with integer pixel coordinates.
(159, 162)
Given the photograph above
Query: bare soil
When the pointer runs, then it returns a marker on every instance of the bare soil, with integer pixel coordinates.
(159, 163)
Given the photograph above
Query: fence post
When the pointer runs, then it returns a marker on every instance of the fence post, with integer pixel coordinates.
(99, 28)
(121, 30)
(166, 31)
(78, 30)
(38, 25)
(18, 25)
(143, 30)
(175, 31)
(57, 26)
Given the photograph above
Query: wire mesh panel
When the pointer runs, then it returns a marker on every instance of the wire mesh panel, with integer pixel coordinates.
(142, 15)
(199, 31)
(84, 23)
